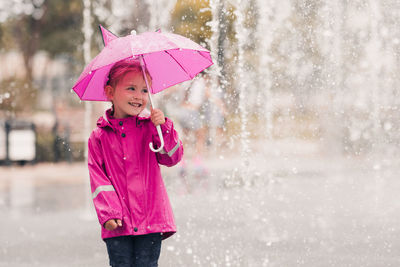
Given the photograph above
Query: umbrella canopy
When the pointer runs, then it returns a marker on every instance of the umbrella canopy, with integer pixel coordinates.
(169, 59)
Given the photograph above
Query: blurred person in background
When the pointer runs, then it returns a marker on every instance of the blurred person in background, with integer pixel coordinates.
(215, 113)
(192, 120)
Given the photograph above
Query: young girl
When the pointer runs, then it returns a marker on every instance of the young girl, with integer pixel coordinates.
(128, 192)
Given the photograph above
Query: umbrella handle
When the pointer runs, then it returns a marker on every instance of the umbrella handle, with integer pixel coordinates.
(152, 105)
(161, 139)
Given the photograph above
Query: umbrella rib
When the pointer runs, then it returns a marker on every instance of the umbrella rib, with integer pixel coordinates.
(177, 62)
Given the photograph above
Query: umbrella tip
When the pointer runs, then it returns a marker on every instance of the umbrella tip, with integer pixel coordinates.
(133, 32)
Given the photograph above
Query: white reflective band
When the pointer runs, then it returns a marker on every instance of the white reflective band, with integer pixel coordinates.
(102, 188)
(172, 151)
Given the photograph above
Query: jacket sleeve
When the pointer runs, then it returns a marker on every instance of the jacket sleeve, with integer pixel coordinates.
(105, 199)
(172, 152)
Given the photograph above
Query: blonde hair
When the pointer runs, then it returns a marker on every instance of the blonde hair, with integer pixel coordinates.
(121, 68)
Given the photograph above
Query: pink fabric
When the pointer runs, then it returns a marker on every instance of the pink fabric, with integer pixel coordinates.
(107, 35)
(125, 175)
(169, 58)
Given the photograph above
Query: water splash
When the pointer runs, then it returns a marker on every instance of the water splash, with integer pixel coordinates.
(160, 13)
(242, 88)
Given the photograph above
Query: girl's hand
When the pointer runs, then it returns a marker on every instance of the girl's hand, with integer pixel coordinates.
(112, 224)
(157, 117)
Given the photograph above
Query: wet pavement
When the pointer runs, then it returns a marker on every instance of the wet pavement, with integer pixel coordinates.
(296, 207)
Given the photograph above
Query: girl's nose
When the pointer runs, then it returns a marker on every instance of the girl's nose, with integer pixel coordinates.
(137, 95)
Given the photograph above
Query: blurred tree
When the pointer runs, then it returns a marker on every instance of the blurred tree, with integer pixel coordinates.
(53, 26)
(37, 25)
(61, 29)
(190, 18)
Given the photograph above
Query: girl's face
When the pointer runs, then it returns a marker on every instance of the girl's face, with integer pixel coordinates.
(129, 96)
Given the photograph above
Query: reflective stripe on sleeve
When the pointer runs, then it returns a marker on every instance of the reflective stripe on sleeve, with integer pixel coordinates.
(172, 151)
(102, 188)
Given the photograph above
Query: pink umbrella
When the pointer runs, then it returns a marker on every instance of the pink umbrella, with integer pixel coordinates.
(168, 58)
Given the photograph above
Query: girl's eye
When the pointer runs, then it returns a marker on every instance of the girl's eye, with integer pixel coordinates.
(131, 88)
(145, 91)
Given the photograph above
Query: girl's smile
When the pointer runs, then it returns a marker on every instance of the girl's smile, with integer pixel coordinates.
(135, 104)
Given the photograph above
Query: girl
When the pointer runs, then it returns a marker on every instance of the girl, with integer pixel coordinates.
(128, 192)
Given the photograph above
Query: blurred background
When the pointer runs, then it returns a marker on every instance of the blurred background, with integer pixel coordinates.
(293, 159)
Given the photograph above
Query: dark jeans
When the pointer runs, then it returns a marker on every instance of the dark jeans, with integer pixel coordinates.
(130, 251)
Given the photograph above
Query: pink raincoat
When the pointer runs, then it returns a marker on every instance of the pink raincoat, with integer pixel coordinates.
(125, 175)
